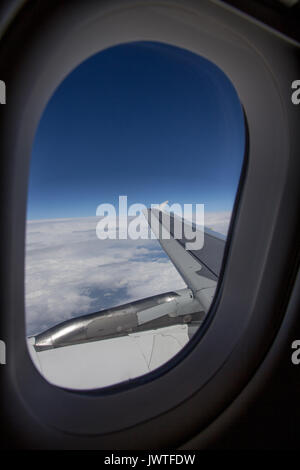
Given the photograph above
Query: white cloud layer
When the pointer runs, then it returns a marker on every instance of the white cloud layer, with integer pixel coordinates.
(70, 272)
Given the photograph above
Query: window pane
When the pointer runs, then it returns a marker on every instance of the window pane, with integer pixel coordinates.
(131, 127)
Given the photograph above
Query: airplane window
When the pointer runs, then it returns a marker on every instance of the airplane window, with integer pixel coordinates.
(134, 172)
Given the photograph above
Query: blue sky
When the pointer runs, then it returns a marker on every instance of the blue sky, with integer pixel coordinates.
(146, 120)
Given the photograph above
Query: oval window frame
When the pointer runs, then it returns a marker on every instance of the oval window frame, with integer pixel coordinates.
(193, 28)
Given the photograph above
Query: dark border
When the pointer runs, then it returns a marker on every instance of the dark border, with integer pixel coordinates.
(42, 415)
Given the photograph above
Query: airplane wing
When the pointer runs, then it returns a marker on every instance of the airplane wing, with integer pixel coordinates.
(121, 343)
(199, 268)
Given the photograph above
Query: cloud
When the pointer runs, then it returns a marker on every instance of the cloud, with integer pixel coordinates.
(70, 272)
(218, 221)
